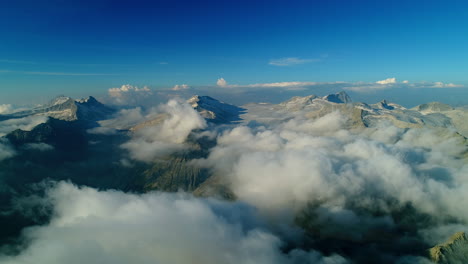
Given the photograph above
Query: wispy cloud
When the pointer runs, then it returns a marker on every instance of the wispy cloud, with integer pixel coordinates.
(392, 83)
(284, 85)
(56, 73)
(179, 87)
(291, 61)
(389, 83)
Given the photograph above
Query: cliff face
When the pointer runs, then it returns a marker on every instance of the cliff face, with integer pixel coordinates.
(454, 251)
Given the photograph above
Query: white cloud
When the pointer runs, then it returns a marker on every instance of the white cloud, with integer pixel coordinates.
(347, 175)
(6, 150)
(445, 85)
(391, 83)
(221, 82)
(90, 226)
(387, 81)
(25, 123)
(291, 61)
(6, 108)
(38, 146)
(178, 87)
(283, 85)
(128, 94)
(126, 118)
(168, 134)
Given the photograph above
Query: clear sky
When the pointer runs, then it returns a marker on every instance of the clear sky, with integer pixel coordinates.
(77, 47)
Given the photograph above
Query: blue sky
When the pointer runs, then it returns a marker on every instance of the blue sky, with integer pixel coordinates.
(86, 47)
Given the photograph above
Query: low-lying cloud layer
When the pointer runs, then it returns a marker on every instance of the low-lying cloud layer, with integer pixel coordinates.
(307, 191)
(91, 226)
(6, 150)
(7, 126)
(350, 185)
(25, 123)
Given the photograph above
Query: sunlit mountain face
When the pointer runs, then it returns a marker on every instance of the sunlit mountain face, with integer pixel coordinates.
(313, 179)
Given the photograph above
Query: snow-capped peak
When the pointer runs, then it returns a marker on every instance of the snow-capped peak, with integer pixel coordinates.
(215, 110)
(89, 99)
(59, 100)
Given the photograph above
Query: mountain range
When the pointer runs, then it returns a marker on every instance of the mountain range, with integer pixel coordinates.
(67, 147)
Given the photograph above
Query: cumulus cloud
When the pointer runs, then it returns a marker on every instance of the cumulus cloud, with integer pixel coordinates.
(113, 227)
(221, 82)
(25, 123)
(128, 94)
(125, 119)
(387, 81)
(178, 87)
(377, 194)
(291, 61)
(347, 184)
(166, 133)
(292, 158)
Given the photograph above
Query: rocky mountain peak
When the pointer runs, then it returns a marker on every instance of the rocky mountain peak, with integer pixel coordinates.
(215, 110)
(455, 250)
(339, 98)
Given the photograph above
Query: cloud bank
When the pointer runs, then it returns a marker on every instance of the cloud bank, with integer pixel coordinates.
(25, 123)
(308, 191)
(344, 185)
(128, 94)
(113, 227)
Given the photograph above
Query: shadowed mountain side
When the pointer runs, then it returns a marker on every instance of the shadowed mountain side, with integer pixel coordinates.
(65, 136)
(87, 111)
(216, 111)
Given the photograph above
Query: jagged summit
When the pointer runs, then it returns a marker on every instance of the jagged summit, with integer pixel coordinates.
(88, 100)
(215, 110)
(455, 250)
(300, 100)
(339, 98)
(67, 109)
(61, 99)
